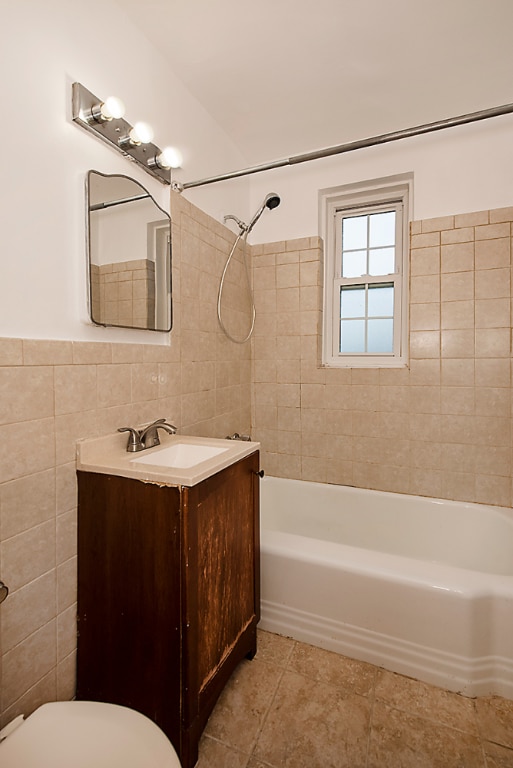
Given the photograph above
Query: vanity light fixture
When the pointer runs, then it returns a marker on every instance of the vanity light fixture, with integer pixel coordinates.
(170, 157)
(105, 120)
(141, 133)
(107, 110)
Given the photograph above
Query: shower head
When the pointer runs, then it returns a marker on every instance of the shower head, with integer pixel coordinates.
(272, 200)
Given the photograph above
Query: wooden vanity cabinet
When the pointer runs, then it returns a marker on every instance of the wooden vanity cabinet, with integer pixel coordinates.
(168, 594)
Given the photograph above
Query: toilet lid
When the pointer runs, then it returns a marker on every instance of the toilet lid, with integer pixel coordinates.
(83, 734)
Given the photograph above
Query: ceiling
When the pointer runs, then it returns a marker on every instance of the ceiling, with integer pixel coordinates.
(283, 77)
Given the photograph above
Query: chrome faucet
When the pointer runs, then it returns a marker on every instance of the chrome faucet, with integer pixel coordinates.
(147, 437)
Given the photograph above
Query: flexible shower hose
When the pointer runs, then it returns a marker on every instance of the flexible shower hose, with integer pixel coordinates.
(240, 236)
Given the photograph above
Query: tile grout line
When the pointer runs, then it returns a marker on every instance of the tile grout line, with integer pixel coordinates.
(371, 716)
(269, 707)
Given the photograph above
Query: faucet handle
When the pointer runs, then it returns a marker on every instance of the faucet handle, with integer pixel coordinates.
(134, 440)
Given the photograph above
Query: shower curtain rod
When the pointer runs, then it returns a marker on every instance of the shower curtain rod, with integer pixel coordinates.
(384, 138)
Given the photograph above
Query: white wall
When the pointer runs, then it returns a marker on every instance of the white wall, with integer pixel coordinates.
(457, 170)
(44, 48)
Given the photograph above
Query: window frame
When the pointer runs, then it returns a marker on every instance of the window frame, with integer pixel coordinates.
(373, 196)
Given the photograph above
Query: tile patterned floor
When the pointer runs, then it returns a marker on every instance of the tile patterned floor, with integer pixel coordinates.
(295, 706)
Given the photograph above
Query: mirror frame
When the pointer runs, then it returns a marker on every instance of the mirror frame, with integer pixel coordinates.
(168, 255)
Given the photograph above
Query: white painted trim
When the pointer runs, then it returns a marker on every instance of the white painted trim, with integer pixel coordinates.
(331, 201)
(478, 676)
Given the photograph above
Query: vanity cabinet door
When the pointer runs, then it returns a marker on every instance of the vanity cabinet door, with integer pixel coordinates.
(129, 596)
(222, 582)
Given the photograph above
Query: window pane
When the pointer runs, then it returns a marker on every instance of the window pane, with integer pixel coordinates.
(352, 336)
(352, 301)
(381, 300)
(382, 261)
(354, 264)
(382, 229)
(354, 233)
(380, 336)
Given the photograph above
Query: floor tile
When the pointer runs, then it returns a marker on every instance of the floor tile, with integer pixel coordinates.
(495, 719)
(297, 706)
(213, 754)
(314, 725)
(327, 667)
(240, 710)
(401, 740)
(425, 700)
(274, 649)
(497, 756)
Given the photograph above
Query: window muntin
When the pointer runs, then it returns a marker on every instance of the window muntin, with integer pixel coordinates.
(365, 273)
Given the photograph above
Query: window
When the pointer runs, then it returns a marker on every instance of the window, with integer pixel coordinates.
(365, 273)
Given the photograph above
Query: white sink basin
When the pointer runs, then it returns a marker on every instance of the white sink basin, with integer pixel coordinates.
(179, 455)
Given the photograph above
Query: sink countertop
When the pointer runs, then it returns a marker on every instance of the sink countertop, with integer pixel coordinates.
(108, 456)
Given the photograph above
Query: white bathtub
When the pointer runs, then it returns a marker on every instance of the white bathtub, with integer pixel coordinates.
(419, 586)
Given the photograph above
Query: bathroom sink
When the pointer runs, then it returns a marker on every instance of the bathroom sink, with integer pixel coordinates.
(180, 455)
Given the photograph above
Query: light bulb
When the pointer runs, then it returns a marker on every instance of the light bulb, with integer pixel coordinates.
(112, 108)
(141, 133)
(170, 157)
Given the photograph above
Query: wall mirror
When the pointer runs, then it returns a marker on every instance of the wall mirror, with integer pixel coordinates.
(129, 243)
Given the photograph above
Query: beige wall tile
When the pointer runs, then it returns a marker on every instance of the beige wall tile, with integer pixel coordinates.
(458, 257)
(29, 662)
(424, 344)
(493, 460)
(493, 313)
(287, 275)
(26, 448)
(47, 352)
(114, 384)
(492, 372)
(493, 342)
(425, 261)
(492, 231)
(91, 353)
(66, 584)
(458, 343)
(437, 224)
(457, 315)
(66, 535)
(493, 490)
(458, 485)
(11, 352)
(426, 482)
(44, 690)
(66, 632)
(493, 254)
(460, 235)
(66, 677)
(457, 400)
(425, 240)
(424, 372)
(28, 555)
(425, 317)
(75, 388)
(424, 289)
(493, 401)
(26, 393)
(457, 372)
(492, 283)
(28, 609)
(26, 503)
(457, 286)
(471, 219)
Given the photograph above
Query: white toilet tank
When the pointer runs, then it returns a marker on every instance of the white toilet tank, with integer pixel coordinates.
(83, 734)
